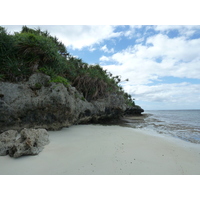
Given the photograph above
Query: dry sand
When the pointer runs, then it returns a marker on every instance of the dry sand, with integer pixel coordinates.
(107, 150)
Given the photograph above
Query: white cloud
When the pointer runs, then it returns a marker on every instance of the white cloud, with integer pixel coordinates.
(161, 56)
(91, 49)
(186, 30)
(178, 27)
(82, 36)
(178, 48)
(181, 93)
(131, 32)
(75, 36)
(105, 49)
(104, 58)
(139, 40)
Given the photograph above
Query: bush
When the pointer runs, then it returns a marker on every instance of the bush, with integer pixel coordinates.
(8, 61)
(33, 50)
(36, 51)
(59, 79)
(24, 53)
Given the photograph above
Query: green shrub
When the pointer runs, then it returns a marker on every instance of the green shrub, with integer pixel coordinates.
(48, 71)
(38, 86)
(82, 98)
(26, 52)
(59, 79)
(9, 64)
(33, 50)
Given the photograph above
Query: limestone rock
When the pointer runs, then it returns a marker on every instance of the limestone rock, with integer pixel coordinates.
(7, 139)
(133, 111)
(27, 142)
(37, 80)
(38, 103)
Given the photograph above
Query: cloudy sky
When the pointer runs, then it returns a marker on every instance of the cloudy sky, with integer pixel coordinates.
(161, 62)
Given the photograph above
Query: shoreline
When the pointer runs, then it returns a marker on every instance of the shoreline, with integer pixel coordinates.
(108, 150)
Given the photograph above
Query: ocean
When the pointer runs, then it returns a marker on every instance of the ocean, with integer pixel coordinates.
(183, 124)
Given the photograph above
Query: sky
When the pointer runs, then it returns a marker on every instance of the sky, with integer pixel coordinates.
(162, 62)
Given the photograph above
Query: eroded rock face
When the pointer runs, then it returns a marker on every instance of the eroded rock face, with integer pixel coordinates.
(25, 142)
(133, 111)
(38, 103)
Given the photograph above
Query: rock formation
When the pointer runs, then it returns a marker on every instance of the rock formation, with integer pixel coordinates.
(133, 111)
(38, 103)
(25, 142)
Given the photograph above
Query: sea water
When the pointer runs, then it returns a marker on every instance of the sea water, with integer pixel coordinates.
(183, 124)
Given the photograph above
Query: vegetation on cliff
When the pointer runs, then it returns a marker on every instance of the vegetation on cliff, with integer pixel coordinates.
(32, 50)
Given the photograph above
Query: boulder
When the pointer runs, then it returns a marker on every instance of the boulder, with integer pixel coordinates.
(25, 142)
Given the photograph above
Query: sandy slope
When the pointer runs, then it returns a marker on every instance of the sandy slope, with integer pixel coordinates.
(95, 149)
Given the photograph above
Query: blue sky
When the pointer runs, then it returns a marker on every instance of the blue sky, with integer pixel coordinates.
(161, 62)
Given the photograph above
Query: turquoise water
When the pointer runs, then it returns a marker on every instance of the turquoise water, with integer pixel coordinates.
(183, 124)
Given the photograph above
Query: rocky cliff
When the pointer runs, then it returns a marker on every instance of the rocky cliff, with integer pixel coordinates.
(38, 103)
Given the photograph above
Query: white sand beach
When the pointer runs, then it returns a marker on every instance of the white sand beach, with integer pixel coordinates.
(107, 150)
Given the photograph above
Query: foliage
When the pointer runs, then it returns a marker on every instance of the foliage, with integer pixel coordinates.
(38, 86)
(8, 61)
(59, 79)
(33, 50)
(129, 100)
(37, 51)
(26, 52)
(60, 46)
